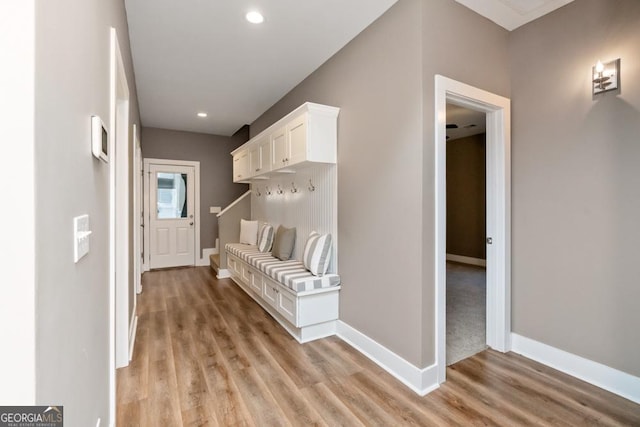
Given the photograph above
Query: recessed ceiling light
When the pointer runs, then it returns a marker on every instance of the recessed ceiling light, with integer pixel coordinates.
(202, 114)
(254, 17)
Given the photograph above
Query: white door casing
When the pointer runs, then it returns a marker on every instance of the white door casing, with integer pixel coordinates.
(119, 321)
(171, 239)
(137, 211)
(498, 116)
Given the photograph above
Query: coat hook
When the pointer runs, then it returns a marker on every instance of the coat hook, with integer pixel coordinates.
(311, 186)
(258, 193)
(280, 190)
(293, 188)
(267, 191)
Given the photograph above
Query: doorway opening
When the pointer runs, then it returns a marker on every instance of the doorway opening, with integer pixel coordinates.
(498, 211)
(466, 233)
(172, 213)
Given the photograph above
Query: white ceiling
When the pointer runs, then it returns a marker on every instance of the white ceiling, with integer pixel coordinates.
(202, 55)
(511, 14)
(470, 122)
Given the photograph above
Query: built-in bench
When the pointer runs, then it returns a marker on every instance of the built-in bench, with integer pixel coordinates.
(304, 304)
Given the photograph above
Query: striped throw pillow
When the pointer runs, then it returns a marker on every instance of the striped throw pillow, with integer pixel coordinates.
(317, 253)
(265, 238)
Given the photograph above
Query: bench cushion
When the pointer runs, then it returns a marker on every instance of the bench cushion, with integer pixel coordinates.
(290, 273)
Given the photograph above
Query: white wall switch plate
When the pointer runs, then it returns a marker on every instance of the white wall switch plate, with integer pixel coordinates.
(81, 235)
(215, 209)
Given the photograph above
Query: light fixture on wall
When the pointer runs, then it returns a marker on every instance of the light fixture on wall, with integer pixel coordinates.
(606, 76)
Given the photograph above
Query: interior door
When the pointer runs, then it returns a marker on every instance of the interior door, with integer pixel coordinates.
(172, 223)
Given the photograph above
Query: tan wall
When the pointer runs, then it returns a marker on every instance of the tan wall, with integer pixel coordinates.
(376, 81)
(459, 44)
(72, 301)
(466, 198)
(576, 183)
(213, 153)
(383, 81)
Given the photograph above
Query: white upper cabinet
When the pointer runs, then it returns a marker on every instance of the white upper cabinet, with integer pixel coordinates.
(241, 166)
(306, 135)
(260, 157)
(279, 149)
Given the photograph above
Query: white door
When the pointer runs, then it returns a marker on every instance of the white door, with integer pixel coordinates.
(172, 222)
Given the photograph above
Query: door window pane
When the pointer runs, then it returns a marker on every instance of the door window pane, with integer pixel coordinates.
(172, 195)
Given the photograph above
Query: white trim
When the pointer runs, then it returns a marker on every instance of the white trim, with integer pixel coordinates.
(467, 260)
(132, 334)
(235, 202)
(136, 154)
(206, 252)
(223, 273)
(196, 166)
(118, 218)
(497, 109)
(610, 379)
(421, 381)
(119, 163)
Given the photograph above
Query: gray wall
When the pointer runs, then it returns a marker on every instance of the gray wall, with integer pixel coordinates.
(466, 198)
(212, 151)
(72, 302)
(576, 181)
(383, 81)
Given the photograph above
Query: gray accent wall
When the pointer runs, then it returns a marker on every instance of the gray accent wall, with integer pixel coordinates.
(383, 81)
(576, 183)
(216, 164)
(466, 196)
(72, 299)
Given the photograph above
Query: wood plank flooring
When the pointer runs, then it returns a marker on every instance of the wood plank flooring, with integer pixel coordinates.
(207, 355)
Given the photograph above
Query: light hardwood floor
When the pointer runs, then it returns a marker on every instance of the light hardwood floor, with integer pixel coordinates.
(207, 355)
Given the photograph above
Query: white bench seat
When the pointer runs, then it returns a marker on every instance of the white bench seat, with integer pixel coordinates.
(304, 304)
(290, 273)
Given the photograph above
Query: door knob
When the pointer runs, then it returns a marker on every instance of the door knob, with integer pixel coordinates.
(191, 223)
(489, 241)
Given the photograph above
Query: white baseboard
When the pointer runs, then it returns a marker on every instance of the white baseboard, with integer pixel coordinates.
(467, 260)
(223, 273)
(132, 335)
(421, 381)
(610, 379)
(205, 256)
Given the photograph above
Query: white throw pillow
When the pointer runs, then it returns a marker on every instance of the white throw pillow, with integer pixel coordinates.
(317, 253)
(265, 239)
(248, 232)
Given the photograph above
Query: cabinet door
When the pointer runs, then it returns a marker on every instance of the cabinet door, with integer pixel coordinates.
(240, 166)
(288, 306)
(256, 283)
(279, 148)
(265, 155)
(255, 160)
(297, 140)
(270, 293)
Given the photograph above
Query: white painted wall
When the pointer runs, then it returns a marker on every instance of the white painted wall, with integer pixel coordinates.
(17, 251)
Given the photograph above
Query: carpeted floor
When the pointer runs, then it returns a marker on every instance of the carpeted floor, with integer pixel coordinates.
(466, 311)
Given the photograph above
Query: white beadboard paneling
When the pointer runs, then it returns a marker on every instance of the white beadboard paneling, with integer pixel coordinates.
(306, 210)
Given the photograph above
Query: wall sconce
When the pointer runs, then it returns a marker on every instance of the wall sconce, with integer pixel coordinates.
(606, 76)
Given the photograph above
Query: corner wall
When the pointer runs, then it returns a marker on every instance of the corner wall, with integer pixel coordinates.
(72, 300)
(376, 82)
(576, 183)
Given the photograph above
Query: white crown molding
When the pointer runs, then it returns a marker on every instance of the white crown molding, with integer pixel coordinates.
(509, 17)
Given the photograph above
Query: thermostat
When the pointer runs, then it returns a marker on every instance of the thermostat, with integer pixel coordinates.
(99, 139)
